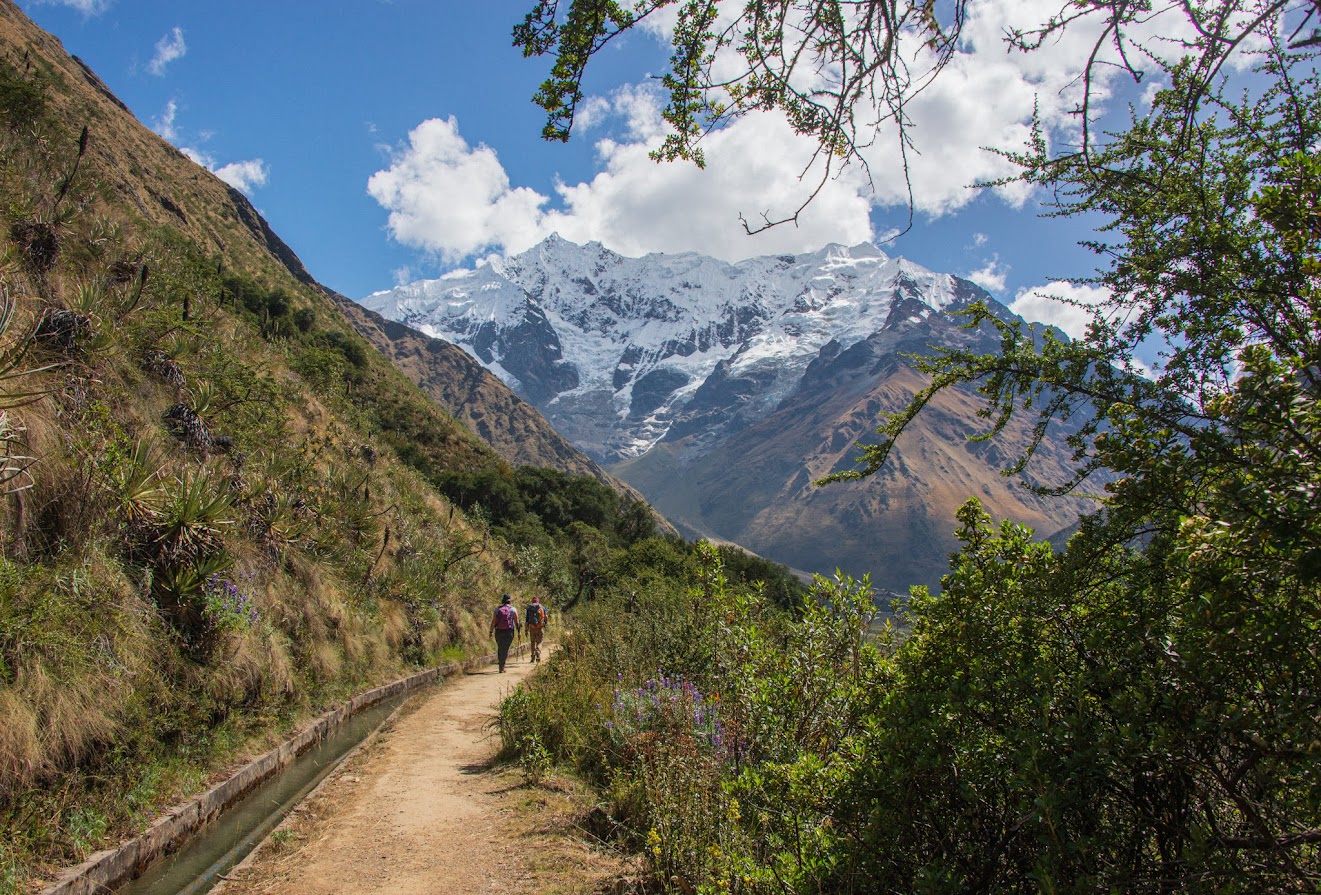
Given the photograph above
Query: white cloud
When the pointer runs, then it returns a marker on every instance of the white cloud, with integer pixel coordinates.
(1071, 307)
(86, 7)
(164, 124)
(635, 205)
(1066, 305)
(456, 200)
(168, 48)
(243, 176)
(990, 276)
(448, 197)
(589, 113)
(453, 199)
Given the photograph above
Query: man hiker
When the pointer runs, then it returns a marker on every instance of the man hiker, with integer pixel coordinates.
(504, 625)
(536, 622)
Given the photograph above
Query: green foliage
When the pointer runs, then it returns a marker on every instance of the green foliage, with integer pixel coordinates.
(22, 100)
(715, 723)
(1139, 712)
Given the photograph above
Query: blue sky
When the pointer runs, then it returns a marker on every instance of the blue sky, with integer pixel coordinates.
(391, 141)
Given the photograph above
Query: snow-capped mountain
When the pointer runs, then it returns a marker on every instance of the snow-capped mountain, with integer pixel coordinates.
(722, 391)
(616, 351)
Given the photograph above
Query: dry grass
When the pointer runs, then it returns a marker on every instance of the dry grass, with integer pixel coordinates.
(96, 689)
(550, 821)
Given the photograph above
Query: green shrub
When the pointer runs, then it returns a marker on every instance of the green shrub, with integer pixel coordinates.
(22, 99)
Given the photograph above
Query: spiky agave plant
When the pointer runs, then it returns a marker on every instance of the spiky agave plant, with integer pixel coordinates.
(136, 484)
(13, 353)
(278, 520)
(202, 397)
(192, 520)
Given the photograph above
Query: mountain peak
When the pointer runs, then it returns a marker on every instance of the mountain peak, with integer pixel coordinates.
(615, 349)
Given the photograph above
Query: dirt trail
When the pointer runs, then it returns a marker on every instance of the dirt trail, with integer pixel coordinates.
(421, 811)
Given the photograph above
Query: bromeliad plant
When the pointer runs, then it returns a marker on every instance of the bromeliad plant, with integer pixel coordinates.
(176, 538)
(13, 353)
(192, 521)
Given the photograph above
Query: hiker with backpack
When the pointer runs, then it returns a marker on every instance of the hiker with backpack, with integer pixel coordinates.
(504, 625)
(536, 623)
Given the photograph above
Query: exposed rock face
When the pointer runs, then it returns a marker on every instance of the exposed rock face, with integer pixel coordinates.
(722, 391)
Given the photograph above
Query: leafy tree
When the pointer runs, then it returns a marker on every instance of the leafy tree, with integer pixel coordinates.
(1161, 736)
(779, 585)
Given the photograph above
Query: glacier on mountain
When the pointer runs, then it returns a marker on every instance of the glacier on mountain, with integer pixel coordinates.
(613, 349)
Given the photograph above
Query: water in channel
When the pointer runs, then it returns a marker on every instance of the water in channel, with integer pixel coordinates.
(197, 866)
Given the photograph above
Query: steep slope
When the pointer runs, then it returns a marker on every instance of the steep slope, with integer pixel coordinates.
(157, 182)
(218, 510)
(722, 391)
(165, 188)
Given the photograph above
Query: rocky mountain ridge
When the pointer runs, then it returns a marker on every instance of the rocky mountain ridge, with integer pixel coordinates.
(477, 398)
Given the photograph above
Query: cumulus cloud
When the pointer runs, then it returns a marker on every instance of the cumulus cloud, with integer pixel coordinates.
(1068, 306)
(168, 48)
(163, 124)
(991, 276)
(456, 200)
(244, 176)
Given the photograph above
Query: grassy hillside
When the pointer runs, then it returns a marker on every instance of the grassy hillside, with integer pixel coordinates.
(216, 509)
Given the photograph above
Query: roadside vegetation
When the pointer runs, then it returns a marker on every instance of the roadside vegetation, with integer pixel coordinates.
(1139, 711)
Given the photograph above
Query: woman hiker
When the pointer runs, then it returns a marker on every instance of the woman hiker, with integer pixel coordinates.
(504, 625)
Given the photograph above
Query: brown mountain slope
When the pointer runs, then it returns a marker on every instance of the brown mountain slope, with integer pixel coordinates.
(756, 487)
(215, 517)
(134, 164)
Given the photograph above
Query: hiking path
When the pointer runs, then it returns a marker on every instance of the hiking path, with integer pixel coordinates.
(421, 809)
